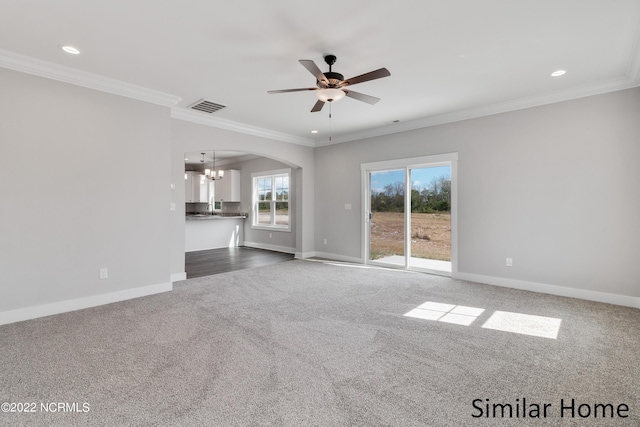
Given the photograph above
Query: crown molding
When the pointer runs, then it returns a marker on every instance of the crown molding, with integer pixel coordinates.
(50, 70)
(216, 122)
(631, 81)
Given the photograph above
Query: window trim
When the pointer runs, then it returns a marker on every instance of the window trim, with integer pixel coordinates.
(254, 199)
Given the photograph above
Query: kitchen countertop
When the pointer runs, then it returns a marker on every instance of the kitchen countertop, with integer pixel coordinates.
(199, 217)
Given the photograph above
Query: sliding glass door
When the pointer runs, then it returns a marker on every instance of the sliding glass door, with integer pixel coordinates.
(387, 217)
(430, 218)
(408, 212)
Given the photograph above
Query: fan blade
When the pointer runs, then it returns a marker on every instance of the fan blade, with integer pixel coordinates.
(292, 90)
(361, 96)
(318, 106)
(313, 69)
(377, 74)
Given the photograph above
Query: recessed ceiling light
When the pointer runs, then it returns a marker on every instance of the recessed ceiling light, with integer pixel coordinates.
(314, 131)
(558, 73)
(70, 49)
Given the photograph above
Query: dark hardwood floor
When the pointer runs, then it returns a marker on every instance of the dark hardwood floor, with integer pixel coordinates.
(215, 261)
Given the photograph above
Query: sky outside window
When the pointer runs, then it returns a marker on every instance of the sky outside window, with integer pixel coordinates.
(421, 177)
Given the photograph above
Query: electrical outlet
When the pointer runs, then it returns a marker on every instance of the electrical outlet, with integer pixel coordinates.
(509, 262)
(325, 241)
(270, 235)
(172, 206)
(104, 273)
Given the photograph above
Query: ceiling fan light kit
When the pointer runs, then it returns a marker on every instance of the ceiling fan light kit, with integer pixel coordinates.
(330, 95)
(330, 86)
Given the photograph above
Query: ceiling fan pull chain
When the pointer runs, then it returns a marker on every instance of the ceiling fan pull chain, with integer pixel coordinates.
(330, 126)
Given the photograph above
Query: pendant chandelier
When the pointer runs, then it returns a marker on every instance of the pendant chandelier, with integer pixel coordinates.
(212, 174)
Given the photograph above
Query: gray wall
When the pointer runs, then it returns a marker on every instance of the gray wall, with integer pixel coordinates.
(279, 240)
(555, 187)
(84, 178)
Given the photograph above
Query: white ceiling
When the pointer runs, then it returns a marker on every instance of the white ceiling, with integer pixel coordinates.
(448, 60)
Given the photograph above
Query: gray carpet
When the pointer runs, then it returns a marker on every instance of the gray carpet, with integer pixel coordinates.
(307, 343)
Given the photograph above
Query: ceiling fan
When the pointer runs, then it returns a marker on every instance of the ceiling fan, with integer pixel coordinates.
(331, 86)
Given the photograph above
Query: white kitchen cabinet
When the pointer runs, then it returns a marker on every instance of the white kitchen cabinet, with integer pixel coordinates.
(228, 188)
(196, 188)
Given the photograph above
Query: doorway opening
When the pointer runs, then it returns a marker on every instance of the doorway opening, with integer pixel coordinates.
(218, 231)
(410, 213)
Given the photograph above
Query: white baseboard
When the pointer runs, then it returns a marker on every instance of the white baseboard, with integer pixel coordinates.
(268, 247)
(28, 313)
(178, 277)
(336, 257)
(562, 291)
(304, 255)
(616, 299)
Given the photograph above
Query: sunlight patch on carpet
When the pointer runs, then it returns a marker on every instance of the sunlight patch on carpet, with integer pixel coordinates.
(518, 323)
(537, 326)
(448, 313)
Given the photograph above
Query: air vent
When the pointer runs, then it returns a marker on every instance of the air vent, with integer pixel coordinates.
(206, 106)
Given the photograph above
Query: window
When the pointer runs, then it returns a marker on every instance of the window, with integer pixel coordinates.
(271, 197)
